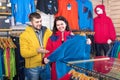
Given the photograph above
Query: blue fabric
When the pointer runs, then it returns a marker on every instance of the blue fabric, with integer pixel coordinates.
(38, 73)
(21, 10)
(1, 71)
(114, 49)
(85, 13)
(73, 49)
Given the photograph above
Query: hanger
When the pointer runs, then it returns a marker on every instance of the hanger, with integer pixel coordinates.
(1, 44)
(6, 43)
(84, 33)
(80, 76)
(11, 43)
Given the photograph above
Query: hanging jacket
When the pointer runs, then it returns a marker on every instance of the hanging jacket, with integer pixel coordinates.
(69, 9)
(103, 27)
(85, 13)
(21, 10)
(47, 6)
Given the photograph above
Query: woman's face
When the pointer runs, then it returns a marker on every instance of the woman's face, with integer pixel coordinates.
(61, 25)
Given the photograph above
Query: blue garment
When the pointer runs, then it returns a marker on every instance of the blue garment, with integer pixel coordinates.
(114, 49)
(73, 49)
(1, 71)
(21, 10)
(85, 13)
(35, 73)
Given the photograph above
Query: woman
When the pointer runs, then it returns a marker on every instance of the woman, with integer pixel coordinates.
(61, 32)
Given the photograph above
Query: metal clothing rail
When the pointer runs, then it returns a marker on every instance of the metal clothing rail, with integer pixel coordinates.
(9, 32)
(85, 32)
(95, 74)
(92, 73)
(90, 60)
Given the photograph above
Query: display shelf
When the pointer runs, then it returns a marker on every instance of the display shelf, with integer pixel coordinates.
(5, 14)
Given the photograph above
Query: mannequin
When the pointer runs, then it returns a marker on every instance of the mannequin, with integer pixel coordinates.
(104, 31)
(99, 10)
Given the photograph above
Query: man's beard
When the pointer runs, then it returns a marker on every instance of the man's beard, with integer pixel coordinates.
(37, 28)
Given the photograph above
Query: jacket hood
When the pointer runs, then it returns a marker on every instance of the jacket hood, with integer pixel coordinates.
(102, 7)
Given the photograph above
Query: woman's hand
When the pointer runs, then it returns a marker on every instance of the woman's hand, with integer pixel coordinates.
(46, 60)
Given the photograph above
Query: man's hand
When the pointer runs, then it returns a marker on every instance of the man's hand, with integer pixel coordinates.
(41, 50)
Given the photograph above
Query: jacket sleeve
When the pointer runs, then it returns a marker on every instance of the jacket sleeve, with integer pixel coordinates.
(26, 49)
(49, 47)
(112, 30)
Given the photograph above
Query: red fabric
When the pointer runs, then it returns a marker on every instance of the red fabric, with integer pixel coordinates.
(103, 66)
(71, 15)
(66, 77)
(53, 71)
(119, 55)
(53, 45)
(103, 27)
(8, 60)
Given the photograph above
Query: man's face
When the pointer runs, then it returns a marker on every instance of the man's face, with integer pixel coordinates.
(36, 23)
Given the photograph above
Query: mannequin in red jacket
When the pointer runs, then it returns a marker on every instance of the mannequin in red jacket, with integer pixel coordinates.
(104, 31)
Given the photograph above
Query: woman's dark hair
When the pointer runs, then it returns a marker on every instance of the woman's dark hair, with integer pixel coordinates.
(34, 15)
(55, 26)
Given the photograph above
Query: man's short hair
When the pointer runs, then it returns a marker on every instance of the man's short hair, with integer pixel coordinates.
(34, 15)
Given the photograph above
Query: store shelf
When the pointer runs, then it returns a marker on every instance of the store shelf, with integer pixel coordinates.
(5, 14)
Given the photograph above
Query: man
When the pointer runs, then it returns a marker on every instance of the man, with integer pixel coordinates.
(32, 46)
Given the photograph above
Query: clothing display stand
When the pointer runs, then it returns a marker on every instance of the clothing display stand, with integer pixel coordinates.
(5, 32)
(90, 60)
(10, 32)
(92, 73)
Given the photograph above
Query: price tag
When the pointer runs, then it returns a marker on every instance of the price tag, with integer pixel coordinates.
(69, 6)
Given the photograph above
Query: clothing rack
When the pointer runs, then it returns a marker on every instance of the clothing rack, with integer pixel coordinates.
(90, 60)
(7, 31)
(84, 32)
(95, 74)
(10, 32)
(92, 73)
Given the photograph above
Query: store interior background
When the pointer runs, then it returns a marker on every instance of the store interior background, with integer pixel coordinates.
(112, 10)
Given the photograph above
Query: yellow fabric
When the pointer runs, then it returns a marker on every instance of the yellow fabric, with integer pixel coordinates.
(29, 44)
